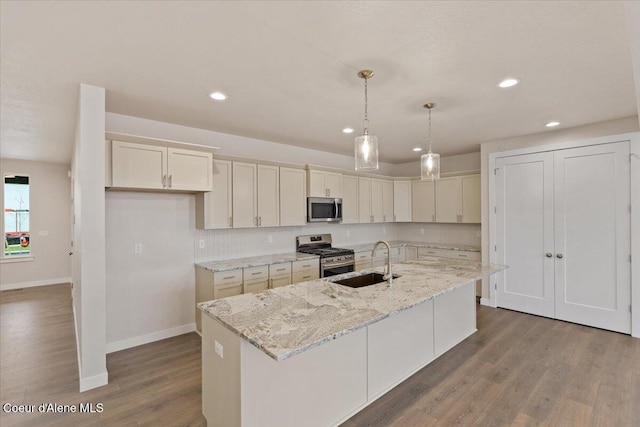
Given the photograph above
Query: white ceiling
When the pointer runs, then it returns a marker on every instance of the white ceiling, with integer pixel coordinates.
(289, 69)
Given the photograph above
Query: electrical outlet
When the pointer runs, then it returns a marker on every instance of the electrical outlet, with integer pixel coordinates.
(348, 233)
(270, 239)
(138, 248)
(422, 231)
(219, 349)
(201, 243)
(384, 231)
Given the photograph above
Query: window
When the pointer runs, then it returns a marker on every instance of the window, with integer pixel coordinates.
(16, 216)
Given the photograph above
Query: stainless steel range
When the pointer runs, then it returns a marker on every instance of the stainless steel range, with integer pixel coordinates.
(332, 260)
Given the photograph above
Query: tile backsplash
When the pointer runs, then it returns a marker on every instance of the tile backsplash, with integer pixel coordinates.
(245, 242)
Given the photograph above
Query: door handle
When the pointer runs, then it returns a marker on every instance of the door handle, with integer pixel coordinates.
(549, 255)
(559, 255)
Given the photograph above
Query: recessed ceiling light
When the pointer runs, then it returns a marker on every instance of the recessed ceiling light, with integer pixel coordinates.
(347, 130)
(218, 96)
(417, 149)
(510, 82)
(552, 124)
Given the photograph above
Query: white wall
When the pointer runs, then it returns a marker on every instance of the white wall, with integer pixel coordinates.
(87, 171)
(244, 242)
(231, 145)
(612, 127)
(150, 295)
(49, 223)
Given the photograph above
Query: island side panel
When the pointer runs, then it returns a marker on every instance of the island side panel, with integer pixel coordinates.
(318, 387)
(454, 317)
(220, 375)
(398, 346)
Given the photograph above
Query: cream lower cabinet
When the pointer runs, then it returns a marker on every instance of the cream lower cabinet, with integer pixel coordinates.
(449, 253)
(458, 199)
(153, 167)
(350, 199)
(213, 209)
(324, 184)
(256, 279)
(279, 275)
(362, 260)
(411, 252)
(305, 270)
(423, 202)
(293, 196)
(402, 201)
(216, 285)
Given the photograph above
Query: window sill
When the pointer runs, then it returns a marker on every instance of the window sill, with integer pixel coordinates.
(17, 259)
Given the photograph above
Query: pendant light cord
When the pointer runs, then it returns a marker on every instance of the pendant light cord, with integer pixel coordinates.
(365, 123)
(430, 140)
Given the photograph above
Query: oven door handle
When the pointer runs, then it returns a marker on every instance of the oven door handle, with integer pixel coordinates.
(340, 264)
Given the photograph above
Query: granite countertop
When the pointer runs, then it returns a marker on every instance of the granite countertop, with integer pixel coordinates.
(256, 261)
(399, 243)
(289, 320)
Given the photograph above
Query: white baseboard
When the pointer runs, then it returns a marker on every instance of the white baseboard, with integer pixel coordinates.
(94, 381)
(35, 283)
(154, 336)
(485, 301)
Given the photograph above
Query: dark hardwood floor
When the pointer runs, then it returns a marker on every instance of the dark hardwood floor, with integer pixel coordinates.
(516, 370)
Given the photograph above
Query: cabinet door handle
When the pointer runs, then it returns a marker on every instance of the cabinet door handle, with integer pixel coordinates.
(164, 180)
(255, 220)
(230, 221)
(559, 256)
(259, 221)
(384, 218)
(549, 255)
(433, 218)
(170, 180)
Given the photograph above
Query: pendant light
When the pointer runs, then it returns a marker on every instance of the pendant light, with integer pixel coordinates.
(366, 146)
(430, 162)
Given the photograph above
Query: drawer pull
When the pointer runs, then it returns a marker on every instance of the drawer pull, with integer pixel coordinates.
(306, 277)
(306, 265)
(462, 255)
(256, 273)
(228, 277)
(280, 269)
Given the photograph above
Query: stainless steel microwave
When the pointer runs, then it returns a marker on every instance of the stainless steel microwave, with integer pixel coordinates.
(324, 209)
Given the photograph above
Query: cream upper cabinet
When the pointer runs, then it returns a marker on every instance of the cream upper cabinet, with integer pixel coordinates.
(293, 196)
(448, 199)
(325, 184)
(189, 170)
(268, 195)
(470, 209)
(458, 199)
(402, 201)
(423, 201)
(245, 206)
(138, 165)
(387, 201)
(349, 199)
(155, 167)
(213, 209)
(364, 200)
(377, 205)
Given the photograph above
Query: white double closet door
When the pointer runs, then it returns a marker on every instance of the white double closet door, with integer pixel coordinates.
(563, 228)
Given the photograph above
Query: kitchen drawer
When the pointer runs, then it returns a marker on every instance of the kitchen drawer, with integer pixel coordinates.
(363, 256)
(305, 265)
(282, 269)
(228, 290)
(253, 287)
(381, 251)
(253, 274)
(411, 252)
(226, 277)
(363, 265)
(446, 253)
(304, 276)
(278, 281)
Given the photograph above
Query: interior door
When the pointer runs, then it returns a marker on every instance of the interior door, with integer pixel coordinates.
(592, 236)
(524, 233)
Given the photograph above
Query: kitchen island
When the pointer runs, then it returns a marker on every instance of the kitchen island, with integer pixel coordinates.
(317, 352)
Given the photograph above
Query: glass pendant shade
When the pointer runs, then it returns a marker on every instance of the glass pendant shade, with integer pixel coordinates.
(366, 147)
(430, 166)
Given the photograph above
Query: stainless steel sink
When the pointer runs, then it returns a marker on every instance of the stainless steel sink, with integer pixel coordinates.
(367, 279)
